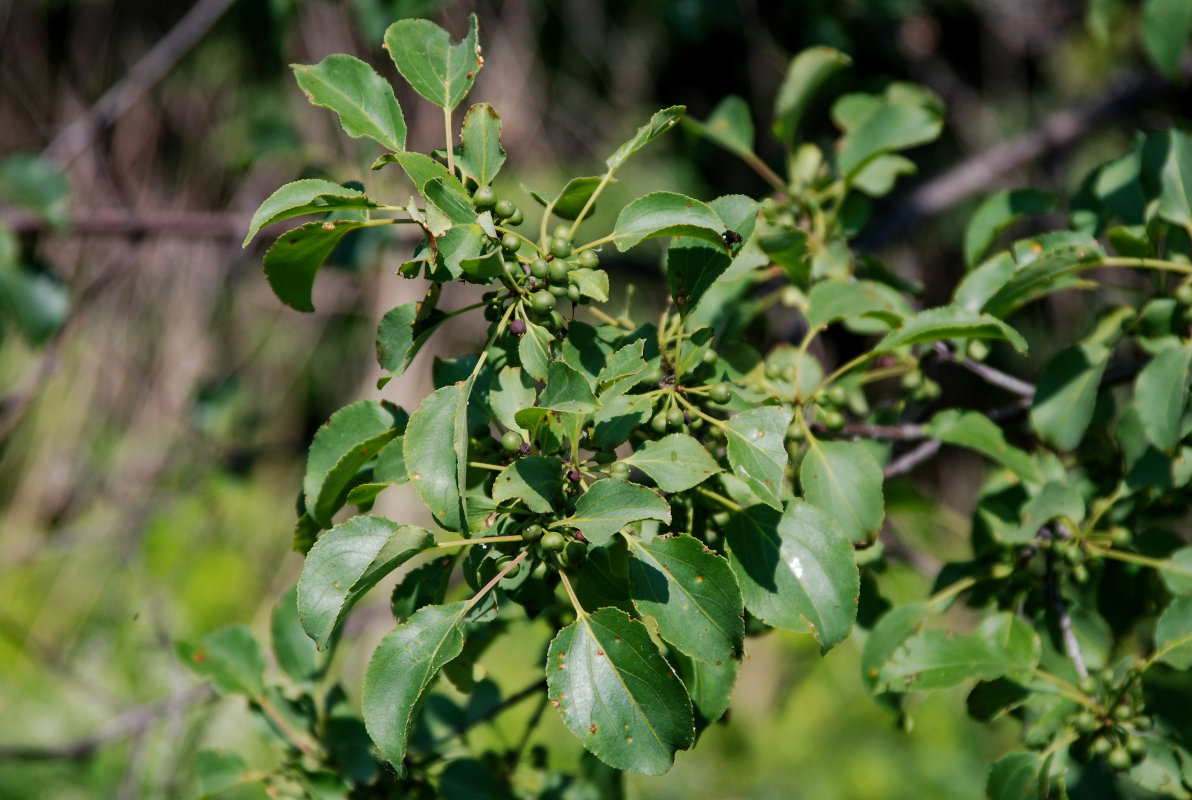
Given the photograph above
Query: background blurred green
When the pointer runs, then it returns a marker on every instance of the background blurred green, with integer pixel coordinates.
(152, 445)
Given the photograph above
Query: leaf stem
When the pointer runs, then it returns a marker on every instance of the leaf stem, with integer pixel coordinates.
(1068, 690)
(951, 591)
(604, 317)
(298, 740)
(482, 465)
(731, 505)
(608, 176)
(762, 168)
(579, 609)
(1146, 561)
(504, 570)
(595, 243)
(1142, 263)
(450, 142)
(513, 537)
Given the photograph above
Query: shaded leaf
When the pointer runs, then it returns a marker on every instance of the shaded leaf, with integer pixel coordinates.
(830, 301)
(978, 432)
(756, 450)
(1015, 777)
(996, 213)
(344, 444)
(534, 350)
(806, 74)
(1161, 394)
(345, 563)
(429, 450)
(535, 480)
(230, 657)
(296, 654)
(401, 669)
(660, 123)
(567, 390)
(571, 201)
(708, 685)
(295, 258)
(887, 128)
(1067, 394)
(1041, 276)
(886, 638)
(796, 569)
(616, 693)
(730, 125)
(1173, 634)
(1166, 29)
(481, 154)
(692, 595)
(692, 266)
(843, 479)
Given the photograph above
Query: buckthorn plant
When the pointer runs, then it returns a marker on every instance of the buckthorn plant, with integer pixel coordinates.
(657, 491)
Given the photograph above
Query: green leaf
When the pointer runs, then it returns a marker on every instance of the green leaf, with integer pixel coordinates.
(806, 74)
(535, 480)
(230, 657)
(1177, 574)
(619, 417)
(226, 776)
(1173, 634)
(796, 569)
(348, 441)
(730, 125)
(438, 70)
(610, 505)
(1055, 500)
(363, 99)
(294, 259)
(660, 123)
(996, 213)
(481, 154)
(756, 450)
(616, 693)
(33, 182)
(843, 479)
(625, 363)
(692, 266)
(447, 196)
(676, 462)
(421, 169)
(429, 449)
(978, 432)
(1175, 177)
(888, 128)
(534, 350)
(950, 322)
(591, 283)
(34, 300)
(345, 563)
(887, 637)
(830, 301)
(692, 595)
(405, 329)
(296, 654)
(1016, 776)
(567, 390)
(709, 686)
(1161, 393)
(513, 392)
(1067, 394)
(878, 177)
(1166, 28)
(932, 660)
(666, 214)
(692, 350)
(1041, 276)
(571, 201)
(401, 669)
(977, 287)
(310, 196)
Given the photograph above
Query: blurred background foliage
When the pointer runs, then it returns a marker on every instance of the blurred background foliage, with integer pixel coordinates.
(156, 401)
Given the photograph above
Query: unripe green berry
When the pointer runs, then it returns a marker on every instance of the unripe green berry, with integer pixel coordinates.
(552, 542)
(539, 268)
(1100, 747)
(1119, 759)
(710, 356)
(1136, 747)
(516, 218)
(773, 370)
(588, 259)
(675, 417)
(1080, 574)
(658, 422)
(510, 243)
(720, 393)
(1088, 684)
(1120, 536)
(833, 420)
(837, 395)
(484, 197)
(620, 471)
(1085, 722)
(573, 553)
(912, 380)
(573, 293)
(1183, 293)
(558, 270)
(540, 571)
(560, 247)
(977, 349)
(532, 533)
(557, 289)
(542, 301)
(511, 441)
(504, 209)
(562, 231)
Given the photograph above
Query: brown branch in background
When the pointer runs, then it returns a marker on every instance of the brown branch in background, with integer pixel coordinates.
(120, 222)
(912, 458)
(987, 169)
(153, 66)
(130, 723)
(987, 373)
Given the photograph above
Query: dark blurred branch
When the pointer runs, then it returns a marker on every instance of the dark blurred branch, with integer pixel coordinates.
(153, 66)
(990, 375)
(987, 169)
(130, 723)
(117, 222)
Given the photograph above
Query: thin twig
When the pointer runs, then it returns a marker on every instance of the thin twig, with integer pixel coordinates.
(990, 375)
(912, 458)
(153, 66)
(130, 723)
